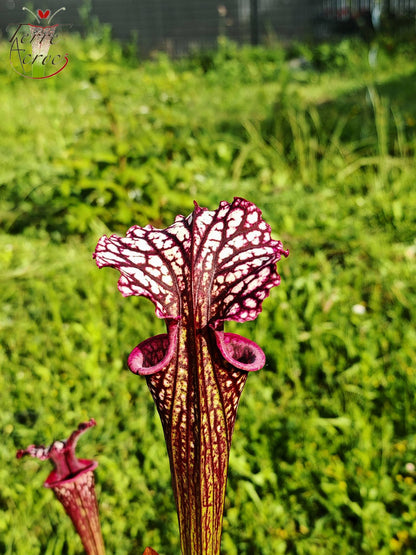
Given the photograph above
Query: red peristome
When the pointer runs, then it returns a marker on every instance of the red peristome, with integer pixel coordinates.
(240, 352)
(155, 353)
(54, 479)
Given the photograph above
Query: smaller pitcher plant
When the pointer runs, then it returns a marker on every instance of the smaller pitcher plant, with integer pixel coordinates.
(73, 483)
(203, 270)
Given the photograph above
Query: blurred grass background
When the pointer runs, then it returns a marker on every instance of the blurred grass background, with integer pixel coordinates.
(325, 442)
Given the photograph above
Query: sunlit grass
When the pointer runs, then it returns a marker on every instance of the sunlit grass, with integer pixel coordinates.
(325, 433)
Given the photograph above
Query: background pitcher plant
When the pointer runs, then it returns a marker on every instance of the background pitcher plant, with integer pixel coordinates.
(72, 481)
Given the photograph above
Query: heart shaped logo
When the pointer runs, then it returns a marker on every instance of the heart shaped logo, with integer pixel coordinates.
(43, 15)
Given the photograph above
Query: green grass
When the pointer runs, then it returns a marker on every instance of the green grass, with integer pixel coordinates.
(325, 432)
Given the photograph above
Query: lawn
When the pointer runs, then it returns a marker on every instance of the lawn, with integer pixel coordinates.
(324, 449)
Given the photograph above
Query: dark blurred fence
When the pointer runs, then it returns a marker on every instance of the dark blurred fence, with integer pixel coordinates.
(177, 26)
(361, 16)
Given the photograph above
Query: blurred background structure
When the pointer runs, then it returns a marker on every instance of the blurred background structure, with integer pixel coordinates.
(178, 26)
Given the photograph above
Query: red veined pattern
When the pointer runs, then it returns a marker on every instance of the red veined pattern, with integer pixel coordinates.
(204, 269)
